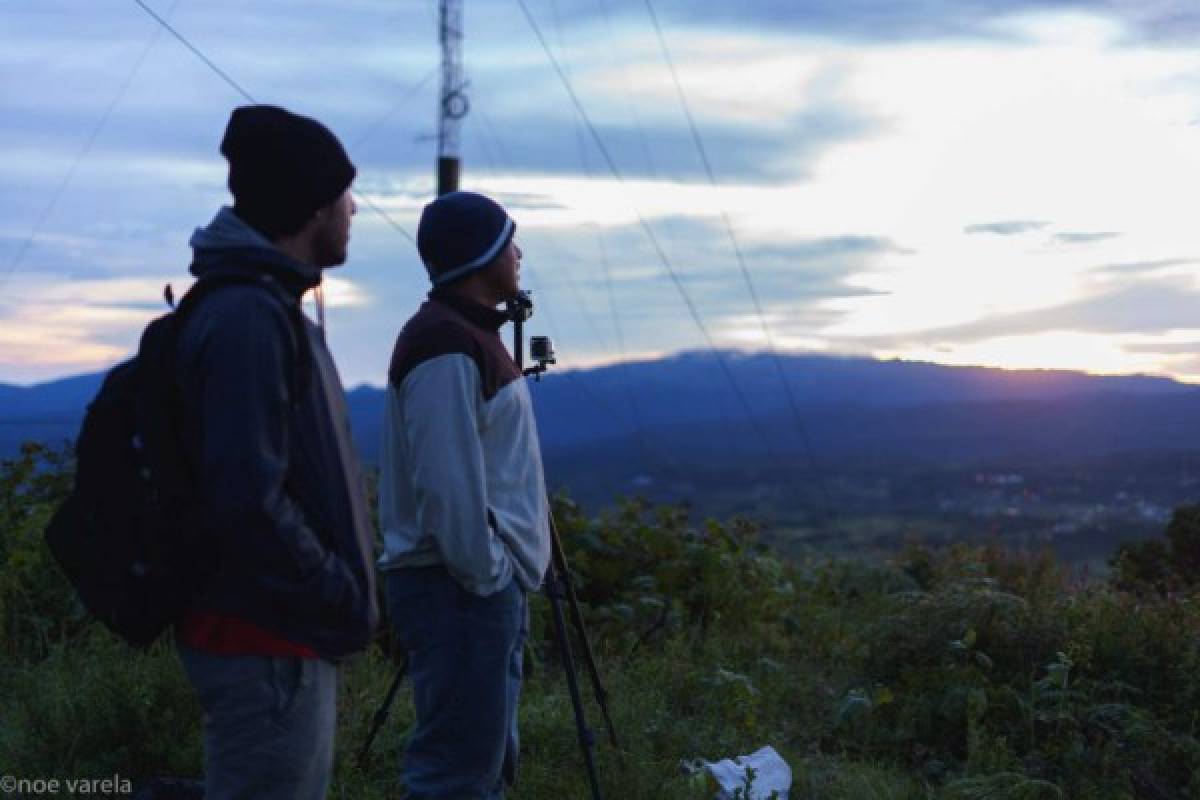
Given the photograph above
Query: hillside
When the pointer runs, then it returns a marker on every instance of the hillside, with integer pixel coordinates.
(1035, 457)
(848, 405)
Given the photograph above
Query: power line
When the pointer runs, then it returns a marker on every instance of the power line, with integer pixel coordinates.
(625, 85)
(378, 124)
(531, 275)
(84, 151)
(626, 370)
(488, 131)
(238, 88)
(650, 234)
(741, 260)
(635, 417)
(196, 51)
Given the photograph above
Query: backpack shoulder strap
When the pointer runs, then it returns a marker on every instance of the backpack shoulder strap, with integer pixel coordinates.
(302, 347)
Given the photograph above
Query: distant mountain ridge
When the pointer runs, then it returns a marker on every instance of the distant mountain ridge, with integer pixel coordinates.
(848, 406)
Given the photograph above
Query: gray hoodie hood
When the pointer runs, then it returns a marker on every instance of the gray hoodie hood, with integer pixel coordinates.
(228, 243)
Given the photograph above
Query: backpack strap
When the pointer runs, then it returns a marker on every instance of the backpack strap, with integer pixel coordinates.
(302, 376)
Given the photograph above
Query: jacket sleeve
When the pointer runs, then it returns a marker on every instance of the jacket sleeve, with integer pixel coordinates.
(441, 402)
(245, 364)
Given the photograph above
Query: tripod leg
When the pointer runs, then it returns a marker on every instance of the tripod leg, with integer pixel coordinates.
(554, 590)
(381, 715)
(560, 565)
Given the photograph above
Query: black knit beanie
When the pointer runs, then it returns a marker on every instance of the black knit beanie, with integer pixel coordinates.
(282, 168)
(461, 232)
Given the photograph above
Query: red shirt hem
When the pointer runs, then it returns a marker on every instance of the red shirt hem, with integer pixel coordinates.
(232, 636)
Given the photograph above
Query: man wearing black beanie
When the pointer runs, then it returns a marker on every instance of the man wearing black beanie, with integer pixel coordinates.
(462, 506)
(264, 425)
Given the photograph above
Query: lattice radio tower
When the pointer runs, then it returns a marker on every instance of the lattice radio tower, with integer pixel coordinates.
(452, 99)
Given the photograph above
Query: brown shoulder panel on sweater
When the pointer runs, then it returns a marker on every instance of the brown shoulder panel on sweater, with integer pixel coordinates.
(438, 330)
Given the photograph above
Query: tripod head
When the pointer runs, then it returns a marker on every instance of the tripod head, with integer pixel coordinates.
(520, 308)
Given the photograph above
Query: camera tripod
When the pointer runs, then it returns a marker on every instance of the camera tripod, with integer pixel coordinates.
(558, 587)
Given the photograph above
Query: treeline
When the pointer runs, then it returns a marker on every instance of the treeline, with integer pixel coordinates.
(964, 672)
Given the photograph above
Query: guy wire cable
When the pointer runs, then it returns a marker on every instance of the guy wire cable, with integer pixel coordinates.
(551, 321)
(547, 309)
(650, 234)
(85, 150)
(651, 167)
(581, 138)
(636, 425)
(741, 260)
(626, 371)
(396, 108)
(237, 87)
(487, 132)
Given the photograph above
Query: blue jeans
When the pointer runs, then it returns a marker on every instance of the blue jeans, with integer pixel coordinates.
(464, 657)
(268, 724)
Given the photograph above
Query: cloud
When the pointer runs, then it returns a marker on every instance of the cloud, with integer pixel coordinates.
(855, 143)
(516, 202)
(1008, 228)
(1139, 267)
(1141, 307)
(766, 111)
(819, 268)
(53, 324)
(1085, 238)
(1188, 368)
(1166, 348)
(870, 21)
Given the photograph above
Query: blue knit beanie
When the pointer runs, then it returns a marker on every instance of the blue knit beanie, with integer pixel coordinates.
(461, 232)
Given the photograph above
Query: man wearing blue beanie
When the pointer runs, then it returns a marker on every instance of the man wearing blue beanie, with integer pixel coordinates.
(462, 506)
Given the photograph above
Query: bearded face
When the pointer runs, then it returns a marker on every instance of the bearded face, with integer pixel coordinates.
(332, 236)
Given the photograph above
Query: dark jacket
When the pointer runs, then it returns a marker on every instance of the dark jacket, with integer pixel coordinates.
(278, 477)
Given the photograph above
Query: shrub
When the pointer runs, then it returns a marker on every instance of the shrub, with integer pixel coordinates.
(38, 607)
(1161, 567)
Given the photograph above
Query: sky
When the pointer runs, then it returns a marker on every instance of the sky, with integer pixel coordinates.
(1009, 184)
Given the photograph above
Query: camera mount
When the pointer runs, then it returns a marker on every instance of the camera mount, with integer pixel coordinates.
(541, 349)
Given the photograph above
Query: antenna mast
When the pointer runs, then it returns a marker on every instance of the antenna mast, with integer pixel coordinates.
(453, 98)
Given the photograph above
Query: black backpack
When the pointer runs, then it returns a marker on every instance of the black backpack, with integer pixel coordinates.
(130, 536)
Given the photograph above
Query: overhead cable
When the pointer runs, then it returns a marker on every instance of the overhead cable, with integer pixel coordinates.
(83, 152)
(238, 88)
(649, 231)
(741, 260)
(635, 419)
(196, 51)
(400, 105)
(532, 275)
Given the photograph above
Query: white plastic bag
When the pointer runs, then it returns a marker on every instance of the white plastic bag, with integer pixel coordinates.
(771, 775)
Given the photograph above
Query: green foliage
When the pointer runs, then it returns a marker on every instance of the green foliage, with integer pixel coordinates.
(94, 707)
(963, 673)
(1003, 786)
(1004, 681)
(37, 606)
(1158, 566)
(648, 573)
